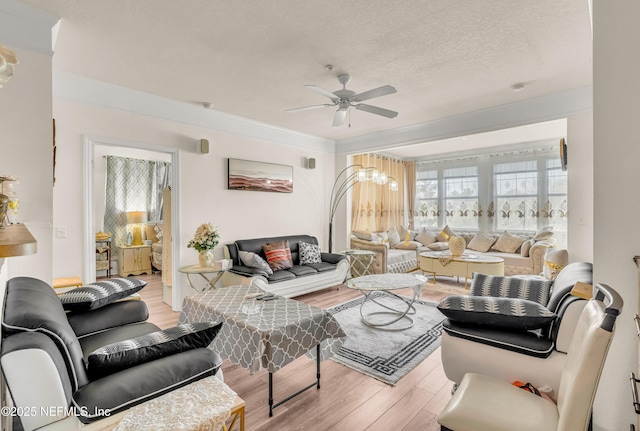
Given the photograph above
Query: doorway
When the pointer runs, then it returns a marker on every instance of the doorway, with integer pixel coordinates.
(96, 146)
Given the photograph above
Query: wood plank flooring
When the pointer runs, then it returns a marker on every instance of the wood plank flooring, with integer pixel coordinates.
(347, 399)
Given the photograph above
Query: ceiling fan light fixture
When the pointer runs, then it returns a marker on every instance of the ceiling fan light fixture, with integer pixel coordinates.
(344, 99)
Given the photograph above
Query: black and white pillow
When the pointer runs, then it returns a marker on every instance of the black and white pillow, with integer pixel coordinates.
(511, 287)
(100, 293)
(508, 313)
(252, 260)
(129, 353)
(309, 253)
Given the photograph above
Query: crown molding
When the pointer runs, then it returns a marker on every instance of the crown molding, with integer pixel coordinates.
(26, 27)
(76, 88)
(536, 110)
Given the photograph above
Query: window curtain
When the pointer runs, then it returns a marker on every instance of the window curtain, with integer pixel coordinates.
(133, 185)
(410, 178)
(374, 206)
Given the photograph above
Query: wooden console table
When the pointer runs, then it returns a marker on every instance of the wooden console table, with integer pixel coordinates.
(16, 240)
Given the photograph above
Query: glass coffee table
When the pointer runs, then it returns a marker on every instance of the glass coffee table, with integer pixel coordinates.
(400, 308)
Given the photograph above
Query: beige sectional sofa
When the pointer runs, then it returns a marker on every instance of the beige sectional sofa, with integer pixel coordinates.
(402, 256)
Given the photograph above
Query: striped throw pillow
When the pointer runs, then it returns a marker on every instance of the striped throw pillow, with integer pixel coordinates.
(278, 255)
(511, 287)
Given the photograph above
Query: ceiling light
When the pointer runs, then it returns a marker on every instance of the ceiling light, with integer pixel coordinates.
(517, 87)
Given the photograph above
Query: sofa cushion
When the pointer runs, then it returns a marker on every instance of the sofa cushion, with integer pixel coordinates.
(253, 260)
(32, 305)
(278, 254)
(394, 236)
(395, 256)
(445, 233)
(481, 242)
(323, 266)
(525, 247)
(512, 259)
(309, 253)
(554, 261)
(508, 243)
(362, 234)
(543, 233)
(302, 270)
(100, 293)
(409, 245)
(508, 313)
(511, 287)
(439, 246)
(426, 237)
(281, 275)
(525, 342)
(129, 353)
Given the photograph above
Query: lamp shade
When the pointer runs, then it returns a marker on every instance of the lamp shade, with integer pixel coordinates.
(135, 217)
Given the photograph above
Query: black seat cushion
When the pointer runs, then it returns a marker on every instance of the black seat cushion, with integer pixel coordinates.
(323, 266)
(527, 343)
(281, 275)
(302, 270)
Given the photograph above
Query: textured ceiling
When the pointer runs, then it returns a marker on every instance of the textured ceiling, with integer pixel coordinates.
(252, 58)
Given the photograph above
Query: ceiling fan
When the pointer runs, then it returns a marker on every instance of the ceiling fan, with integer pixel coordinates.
(344, 98)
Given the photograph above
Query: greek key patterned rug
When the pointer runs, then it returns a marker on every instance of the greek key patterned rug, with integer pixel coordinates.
(385, 355)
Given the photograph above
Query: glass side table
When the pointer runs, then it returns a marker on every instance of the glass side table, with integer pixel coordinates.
(360, 261)
(210, 274)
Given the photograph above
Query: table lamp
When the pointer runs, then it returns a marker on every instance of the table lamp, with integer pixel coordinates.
(135, 218)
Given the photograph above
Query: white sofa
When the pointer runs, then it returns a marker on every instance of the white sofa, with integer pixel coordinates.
(404, 256)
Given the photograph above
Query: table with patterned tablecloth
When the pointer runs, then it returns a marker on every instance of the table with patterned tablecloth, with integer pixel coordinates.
(267, 334)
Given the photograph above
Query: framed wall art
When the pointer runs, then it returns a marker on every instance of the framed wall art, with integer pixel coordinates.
(259, 176)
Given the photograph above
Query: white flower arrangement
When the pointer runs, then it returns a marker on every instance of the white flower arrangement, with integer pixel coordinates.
(205, 238)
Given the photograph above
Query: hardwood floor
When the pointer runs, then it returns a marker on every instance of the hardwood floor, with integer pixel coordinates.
(347, 400)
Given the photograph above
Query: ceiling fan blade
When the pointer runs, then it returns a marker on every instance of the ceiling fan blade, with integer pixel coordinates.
(338, 119)
(322, 91)
(378, 111)
(325, 105)
(376, 92)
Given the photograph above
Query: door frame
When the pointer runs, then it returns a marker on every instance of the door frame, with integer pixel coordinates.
(89, 144)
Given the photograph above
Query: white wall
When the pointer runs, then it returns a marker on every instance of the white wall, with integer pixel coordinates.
(27, 153)
(580, 193)
(203, 181)
(616, 97)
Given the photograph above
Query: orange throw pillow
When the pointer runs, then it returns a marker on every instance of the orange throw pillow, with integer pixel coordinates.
(278, 255)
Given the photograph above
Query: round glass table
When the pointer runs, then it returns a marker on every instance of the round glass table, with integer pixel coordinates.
(376, 287)
(204, 272)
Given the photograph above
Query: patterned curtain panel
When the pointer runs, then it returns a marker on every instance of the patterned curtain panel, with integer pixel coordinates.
(133, 185)
(375, 207)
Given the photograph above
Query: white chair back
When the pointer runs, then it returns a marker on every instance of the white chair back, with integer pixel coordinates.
(583, 367)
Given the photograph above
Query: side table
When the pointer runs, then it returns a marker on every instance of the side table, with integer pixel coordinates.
(204, 272)
(359, 260)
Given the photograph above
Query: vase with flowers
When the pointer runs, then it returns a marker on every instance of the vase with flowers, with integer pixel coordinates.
(205, 239)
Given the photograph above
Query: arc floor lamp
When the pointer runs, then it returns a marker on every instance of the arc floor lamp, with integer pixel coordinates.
(345, 180)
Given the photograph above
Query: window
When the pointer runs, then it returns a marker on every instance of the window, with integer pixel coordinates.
(461, 196)
(520, 192)
(516, 188)
(427, 205)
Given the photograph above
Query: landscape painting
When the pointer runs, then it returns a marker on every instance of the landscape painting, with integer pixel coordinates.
(259, 176)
